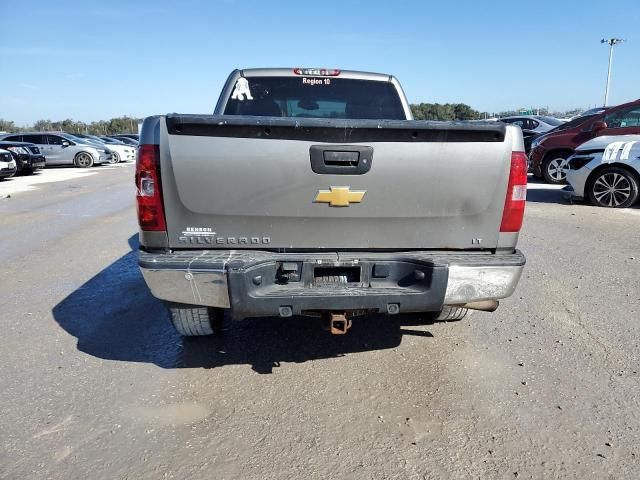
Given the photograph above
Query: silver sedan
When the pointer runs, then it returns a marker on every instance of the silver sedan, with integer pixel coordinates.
(606, 170)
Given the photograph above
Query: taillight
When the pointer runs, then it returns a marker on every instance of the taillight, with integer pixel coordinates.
(149, 189)
(516, 198)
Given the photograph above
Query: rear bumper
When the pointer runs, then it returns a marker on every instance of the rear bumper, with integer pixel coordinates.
(250, 284)
(36, 162)
(8, 171)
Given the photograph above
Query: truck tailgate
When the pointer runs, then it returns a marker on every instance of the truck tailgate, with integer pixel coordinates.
(248, 182)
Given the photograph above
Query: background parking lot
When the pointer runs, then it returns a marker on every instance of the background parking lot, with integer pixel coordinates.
(96, 384)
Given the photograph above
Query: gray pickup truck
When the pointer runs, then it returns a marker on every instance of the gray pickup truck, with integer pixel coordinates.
(313, 192)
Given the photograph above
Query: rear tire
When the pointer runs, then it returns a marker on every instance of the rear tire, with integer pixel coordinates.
(194, 321)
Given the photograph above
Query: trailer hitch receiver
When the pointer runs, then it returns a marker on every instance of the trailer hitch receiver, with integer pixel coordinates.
(339, 323)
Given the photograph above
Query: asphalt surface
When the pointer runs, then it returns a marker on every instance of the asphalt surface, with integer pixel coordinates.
(95, 384)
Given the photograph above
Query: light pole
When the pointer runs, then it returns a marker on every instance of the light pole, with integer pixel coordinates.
(611, 42)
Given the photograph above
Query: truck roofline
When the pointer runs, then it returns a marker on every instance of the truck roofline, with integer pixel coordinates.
(288, 72)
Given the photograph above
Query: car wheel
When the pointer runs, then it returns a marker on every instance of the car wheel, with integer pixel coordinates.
(194, 321)
(614, 188)
(554, 168)
(115, 158)
(83, 160)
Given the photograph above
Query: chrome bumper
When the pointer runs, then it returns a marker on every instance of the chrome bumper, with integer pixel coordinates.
(193, 287)
(468, 284)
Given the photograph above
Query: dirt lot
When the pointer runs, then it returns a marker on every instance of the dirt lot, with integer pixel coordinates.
(95, 384)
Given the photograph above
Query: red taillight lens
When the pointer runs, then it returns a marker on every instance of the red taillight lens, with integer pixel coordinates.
(149, 189)
(516, 198)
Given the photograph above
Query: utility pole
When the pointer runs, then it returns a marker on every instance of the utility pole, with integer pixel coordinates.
(611, 42)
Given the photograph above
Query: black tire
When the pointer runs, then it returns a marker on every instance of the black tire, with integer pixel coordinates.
(613, 187)
(194, 321)
(83, 160)
(554, 168)
(115, 158)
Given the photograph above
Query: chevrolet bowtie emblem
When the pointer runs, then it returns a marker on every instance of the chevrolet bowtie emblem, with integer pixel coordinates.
(339, 196)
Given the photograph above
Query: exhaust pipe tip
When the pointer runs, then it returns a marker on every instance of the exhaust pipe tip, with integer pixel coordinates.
(483, 305)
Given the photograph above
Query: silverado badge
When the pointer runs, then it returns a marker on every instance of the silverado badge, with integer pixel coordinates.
(339, 196)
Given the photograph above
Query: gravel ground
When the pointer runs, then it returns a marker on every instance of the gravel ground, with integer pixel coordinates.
(95, 384)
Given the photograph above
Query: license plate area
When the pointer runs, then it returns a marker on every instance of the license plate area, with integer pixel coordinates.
(307, 283)
(324, 276)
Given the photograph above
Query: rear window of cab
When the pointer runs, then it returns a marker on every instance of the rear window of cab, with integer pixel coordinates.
(315, 97)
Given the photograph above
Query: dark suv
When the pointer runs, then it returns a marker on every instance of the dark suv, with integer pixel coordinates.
(549, 153)
(27, 155)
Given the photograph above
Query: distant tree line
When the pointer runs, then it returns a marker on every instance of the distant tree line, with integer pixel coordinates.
(103, 127)
(462, 111)
(444, 111)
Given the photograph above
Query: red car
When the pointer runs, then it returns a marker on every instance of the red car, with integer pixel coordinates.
(549, 153)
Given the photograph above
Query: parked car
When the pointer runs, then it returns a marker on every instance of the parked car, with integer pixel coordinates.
(533, 123)
(529, 136)
(125, 140)
(27, 156)
(533, 126)
(125, 152)
(549, 153)
(606, 170)
(8, 166)
(591, 111)
(116, 154)
(133, 136)
(62, 149)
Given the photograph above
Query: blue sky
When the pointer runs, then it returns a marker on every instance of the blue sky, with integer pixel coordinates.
(91, 60)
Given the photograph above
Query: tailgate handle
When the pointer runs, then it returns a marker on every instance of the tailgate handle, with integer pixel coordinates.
(340, 159)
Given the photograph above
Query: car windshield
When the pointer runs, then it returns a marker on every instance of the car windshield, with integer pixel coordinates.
(549, 120)
(572, 123)
(315, 97)
(75, 138)
(72, 137)
(592, 111)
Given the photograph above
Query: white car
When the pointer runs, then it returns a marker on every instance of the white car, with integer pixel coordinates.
(533, 123)
(124, 152)
(606, 170)
(114, 157)
(8, 165)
